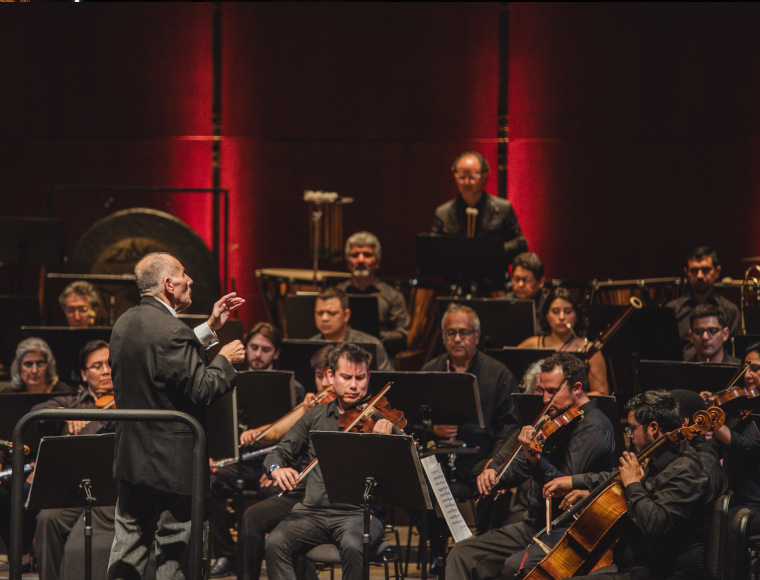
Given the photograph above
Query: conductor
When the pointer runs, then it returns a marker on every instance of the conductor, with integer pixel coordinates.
(158, 362)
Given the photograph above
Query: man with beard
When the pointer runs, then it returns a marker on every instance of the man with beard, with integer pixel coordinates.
(363, 253)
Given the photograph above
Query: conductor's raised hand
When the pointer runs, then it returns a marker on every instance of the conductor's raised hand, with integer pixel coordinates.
(233, 351)
(285, 477)
(225, 306)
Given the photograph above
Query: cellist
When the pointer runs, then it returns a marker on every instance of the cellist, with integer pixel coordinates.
(585, 445)
(669, 498)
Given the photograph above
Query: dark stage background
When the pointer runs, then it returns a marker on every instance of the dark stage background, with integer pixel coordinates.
(633, 127)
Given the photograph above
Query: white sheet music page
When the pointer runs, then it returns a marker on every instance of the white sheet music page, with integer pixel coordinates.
(447, 503)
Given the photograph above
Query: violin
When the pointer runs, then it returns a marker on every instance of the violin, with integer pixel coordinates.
(733, 395)
(365, 424)
(594, 531)
(552, 426)
(105, 402)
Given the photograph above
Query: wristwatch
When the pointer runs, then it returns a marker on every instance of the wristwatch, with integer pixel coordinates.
(271, 469)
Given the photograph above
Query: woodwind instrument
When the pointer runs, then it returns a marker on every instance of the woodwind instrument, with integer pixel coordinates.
(244, 456)
(612, 328)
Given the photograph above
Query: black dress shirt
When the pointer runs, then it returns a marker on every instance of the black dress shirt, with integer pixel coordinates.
(685, 304)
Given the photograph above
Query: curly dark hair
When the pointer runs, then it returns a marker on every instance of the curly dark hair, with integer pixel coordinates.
(580, 326)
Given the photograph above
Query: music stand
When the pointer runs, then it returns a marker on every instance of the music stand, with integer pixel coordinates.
(66, 343)
(295, 355)
(13, 406)
(299, 314)
(15, 312)
(461, 260)
(265, 396)
(502, 322)
(692, 376)
(371, 469)
(518, 360)
(60, 483)
(740, 342)
(528, 406)
(752, 319)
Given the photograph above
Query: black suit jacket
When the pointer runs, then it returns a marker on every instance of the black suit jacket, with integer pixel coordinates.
(157, 362)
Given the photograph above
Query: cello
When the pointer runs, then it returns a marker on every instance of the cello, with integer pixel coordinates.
(583, 545)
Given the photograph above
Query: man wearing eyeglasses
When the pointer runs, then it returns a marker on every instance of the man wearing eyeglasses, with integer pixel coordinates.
(54, 526)
(80, 304)
(528, 283)
(495, 216)
(702, 271)
(461, 333)
(709, 334)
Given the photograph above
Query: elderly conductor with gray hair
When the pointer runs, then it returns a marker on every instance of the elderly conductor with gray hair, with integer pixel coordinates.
(158, 362)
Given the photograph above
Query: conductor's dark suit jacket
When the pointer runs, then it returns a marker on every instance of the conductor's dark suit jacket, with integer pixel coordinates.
(157, 362)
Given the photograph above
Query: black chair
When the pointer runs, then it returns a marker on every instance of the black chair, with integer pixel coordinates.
(328, 554)
(715, 550)
(737, 565)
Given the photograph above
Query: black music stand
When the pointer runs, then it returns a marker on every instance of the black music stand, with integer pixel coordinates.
(502, 322)
(528, 406)
(15, 312)
(13, 406)
(29, 240)
(61, 483)
(469, 263)
(518, 360)
(740, 342)
(692, 376)
(650, 333)
(752, 319)
(371, 469)
(66, 343)
(299, 314)
(295, 355)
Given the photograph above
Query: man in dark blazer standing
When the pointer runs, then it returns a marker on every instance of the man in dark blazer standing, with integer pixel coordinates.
(158, 362)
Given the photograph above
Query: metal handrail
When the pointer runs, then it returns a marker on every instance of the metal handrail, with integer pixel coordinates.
(200, 464)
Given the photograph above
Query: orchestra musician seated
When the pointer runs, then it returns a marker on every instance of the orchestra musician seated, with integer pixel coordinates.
(564, 329)
(80, 304)
(669, 498)
(60, 531)
(527, 282)
(331, 316)
(702, 270)
(263, 516)
(581, 446)
(316, 521)
(460, 328)
(709, 335)
(262, 349)
(739, 443)
(33, 369)
(363, 253)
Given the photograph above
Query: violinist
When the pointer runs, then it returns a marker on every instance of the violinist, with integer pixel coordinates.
(739, 442)
(668, 497)
(262, 349)
(55, 525)
(262, 517)
(582, 446)
(316, 521)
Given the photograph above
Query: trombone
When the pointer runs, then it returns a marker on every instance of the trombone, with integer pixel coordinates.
(750, 291)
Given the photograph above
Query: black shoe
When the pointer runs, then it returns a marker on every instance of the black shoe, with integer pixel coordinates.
(223, 566)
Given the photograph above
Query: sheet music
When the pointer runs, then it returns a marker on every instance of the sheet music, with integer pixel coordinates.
(457, 526)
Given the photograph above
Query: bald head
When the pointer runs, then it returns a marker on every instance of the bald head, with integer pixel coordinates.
(162, 276)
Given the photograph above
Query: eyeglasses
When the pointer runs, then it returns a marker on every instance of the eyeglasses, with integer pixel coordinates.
(705, 271)
(711, 330)
(471, 177)
(75, 309)
(464, 333)
(40, 364)
(630, 429)
(520, 280)
(98, 366)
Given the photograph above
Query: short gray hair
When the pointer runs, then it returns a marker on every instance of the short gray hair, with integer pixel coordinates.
(80, 288)
(151, 270)
(363, 239)
(24, 348)
(454, 307)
